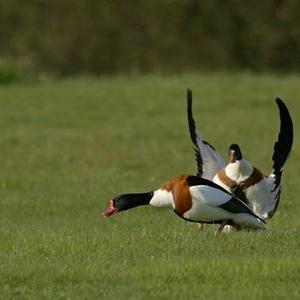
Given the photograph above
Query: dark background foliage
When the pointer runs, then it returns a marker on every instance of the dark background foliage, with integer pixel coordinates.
(109, 36)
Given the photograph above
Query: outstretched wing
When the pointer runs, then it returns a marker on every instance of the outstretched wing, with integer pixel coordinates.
(282, 149)
(209, 161)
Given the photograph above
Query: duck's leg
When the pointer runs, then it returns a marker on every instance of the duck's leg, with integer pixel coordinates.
(200, 226)
(220, 228)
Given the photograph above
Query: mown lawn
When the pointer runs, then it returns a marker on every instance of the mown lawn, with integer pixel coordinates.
(67, 147)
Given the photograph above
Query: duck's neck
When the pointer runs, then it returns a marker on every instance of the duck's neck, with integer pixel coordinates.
(128, 201)
(159, 198)
(239, 170)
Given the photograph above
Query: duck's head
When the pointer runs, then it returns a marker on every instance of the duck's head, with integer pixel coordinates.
(111, 209)
(234, 153)
(126, 201)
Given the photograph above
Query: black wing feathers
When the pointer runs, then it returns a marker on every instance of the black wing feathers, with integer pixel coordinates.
(283, 145)
(235, 205)
(196, 180)
(193, 134)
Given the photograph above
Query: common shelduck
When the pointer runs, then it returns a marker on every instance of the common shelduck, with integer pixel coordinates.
(240, 177)
(194, 199)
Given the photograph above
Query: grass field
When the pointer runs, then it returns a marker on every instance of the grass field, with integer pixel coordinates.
(67, 147)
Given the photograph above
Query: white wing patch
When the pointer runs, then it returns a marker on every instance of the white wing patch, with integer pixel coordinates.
(209, 195)
(212, 160)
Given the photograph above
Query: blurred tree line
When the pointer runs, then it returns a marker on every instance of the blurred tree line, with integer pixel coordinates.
(108, 36)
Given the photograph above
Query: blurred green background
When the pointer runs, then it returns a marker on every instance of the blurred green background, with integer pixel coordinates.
(67, 146)
(112, 36)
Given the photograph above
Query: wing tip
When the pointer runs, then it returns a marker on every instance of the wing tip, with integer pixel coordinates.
(280, 103)
(191, 121)
(189, 95)
(193, 134)
(284, 143)
(283, 108)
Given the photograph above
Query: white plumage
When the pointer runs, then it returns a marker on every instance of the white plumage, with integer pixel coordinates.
(262, 193)
(194, 199)
(208, 205)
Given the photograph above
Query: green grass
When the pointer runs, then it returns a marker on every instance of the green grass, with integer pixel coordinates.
(67, 147)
